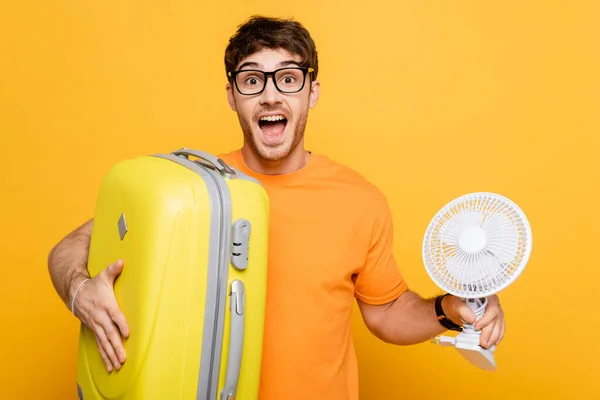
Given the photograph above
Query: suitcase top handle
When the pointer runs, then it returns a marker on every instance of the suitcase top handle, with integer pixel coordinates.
(217, 163)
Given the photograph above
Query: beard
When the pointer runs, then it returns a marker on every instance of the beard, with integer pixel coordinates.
(280, 151)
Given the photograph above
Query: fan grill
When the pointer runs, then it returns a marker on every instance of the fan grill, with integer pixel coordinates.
(477, 245)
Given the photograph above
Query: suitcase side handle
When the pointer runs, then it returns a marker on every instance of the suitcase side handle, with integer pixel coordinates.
(236, 340)
(216, 162)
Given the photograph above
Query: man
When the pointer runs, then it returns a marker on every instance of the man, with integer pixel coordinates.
(330, 236)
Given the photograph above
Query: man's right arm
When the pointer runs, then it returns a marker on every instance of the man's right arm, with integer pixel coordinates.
(67, 262)
(95, 304)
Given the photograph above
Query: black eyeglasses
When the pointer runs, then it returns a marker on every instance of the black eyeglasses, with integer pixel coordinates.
(287, 80)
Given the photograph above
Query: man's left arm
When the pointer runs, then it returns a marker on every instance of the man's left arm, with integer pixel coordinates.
(410, 319)
(398, 315)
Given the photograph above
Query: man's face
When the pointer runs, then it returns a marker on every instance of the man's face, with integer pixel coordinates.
(273, 122)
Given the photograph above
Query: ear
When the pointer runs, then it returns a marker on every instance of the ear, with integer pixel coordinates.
(315, 88)
(230, 97)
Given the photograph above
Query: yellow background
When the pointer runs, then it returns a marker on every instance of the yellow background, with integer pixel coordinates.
(428, 99)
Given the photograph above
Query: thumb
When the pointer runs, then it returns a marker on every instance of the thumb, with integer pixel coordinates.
(114, 270)
(466, 314)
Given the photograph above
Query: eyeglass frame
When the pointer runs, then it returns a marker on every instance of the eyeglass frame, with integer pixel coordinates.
(305, 70)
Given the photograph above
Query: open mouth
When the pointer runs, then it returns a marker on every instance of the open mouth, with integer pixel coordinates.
(272, 127)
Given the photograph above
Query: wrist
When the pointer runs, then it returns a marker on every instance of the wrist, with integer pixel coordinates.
(75, 284)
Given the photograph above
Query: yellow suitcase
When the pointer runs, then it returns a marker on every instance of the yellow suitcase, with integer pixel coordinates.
(193, 233)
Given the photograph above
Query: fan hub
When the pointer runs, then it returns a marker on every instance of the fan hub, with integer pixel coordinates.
(472, 240)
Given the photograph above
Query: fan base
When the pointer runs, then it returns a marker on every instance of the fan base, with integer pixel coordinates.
(477, 355)
(467, 344)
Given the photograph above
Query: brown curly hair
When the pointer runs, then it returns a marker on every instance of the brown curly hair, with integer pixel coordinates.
(260, 32)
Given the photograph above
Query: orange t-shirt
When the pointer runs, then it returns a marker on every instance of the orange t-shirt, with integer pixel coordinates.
(330, 240)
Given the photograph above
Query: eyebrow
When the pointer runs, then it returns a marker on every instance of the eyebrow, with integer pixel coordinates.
(253, 64)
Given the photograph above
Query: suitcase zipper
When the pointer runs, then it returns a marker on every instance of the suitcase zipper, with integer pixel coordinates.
(209, 379)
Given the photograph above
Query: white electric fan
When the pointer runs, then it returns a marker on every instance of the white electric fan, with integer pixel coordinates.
(474, 247)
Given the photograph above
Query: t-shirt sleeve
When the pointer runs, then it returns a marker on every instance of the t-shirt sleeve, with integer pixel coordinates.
(380, 281)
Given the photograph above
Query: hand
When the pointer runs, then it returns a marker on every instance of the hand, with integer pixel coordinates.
(491, 324)
(97, 308)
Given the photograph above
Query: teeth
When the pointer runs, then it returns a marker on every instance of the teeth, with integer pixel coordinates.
(272, 118)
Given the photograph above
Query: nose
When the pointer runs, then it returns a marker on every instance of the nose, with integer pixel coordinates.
(270, 95)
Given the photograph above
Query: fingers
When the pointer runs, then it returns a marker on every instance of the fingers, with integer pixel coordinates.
(108, 347)
(109, 339)
(109, 332)
(119, 318)
(114, 337)
(492, 334)
(495, 334)
(484, 339)
(502, 330)
(491, 313)
(104, 356)
(492, 324)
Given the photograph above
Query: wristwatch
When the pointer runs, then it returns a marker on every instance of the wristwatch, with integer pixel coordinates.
(443, 318)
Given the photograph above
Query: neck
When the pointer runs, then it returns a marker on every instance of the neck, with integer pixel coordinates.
(296, 160)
